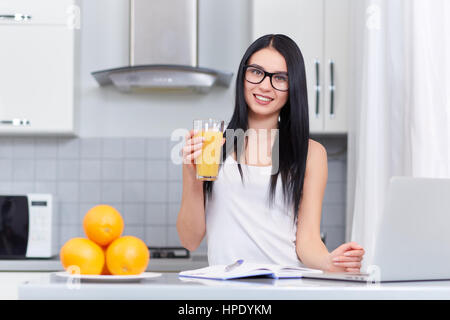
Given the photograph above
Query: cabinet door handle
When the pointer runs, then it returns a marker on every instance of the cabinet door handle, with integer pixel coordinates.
(332, 89)
(317, 88)
(16, 17)
(16, 122)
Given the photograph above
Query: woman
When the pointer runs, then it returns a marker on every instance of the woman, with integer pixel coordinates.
(265, 218)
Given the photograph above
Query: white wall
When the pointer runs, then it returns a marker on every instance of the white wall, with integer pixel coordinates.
(224, 35)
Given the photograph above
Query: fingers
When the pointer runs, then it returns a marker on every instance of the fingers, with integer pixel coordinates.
(191, 139)
(190, 134)
(355, 264)
(192, 148)
(351, 259)
(189, 157)
(347, 259)
(193, 145)
(355, 245)
(190, 152)
(348, 256)
(351, 246)
(354, 253)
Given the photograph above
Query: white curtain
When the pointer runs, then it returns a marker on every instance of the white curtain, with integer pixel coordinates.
(399, 121)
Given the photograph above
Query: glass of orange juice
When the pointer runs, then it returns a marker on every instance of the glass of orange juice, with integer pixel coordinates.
(207, 163)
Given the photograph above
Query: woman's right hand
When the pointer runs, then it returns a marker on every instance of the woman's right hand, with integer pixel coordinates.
(191, 150)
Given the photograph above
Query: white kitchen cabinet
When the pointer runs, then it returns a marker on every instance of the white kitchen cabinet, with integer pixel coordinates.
(321, 30)
(37, 67)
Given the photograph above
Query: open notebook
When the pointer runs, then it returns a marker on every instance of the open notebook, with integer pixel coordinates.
(242, 269)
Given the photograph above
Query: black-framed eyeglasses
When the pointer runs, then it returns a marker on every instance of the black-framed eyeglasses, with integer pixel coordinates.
(255, 75)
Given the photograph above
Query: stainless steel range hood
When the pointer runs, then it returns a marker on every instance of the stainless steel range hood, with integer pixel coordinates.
(163, 50)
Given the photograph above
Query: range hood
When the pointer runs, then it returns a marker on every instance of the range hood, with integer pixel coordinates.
(163, 50)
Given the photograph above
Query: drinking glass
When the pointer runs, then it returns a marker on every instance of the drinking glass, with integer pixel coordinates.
(207, 163)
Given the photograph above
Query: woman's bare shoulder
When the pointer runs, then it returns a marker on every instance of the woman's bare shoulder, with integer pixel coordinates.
(316, 150)
(316, 162)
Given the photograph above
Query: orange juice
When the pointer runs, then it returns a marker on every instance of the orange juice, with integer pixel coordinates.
(208, 161)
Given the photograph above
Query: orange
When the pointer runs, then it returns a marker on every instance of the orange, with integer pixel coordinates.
(82, 255)
(127, 255)
(103, 224)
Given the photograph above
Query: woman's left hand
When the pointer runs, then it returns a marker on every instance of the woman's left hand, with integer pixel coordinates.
(346, 258)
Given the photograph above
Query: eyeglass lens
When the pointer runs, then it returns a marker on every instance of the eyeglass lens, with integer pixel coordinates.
(255, 75)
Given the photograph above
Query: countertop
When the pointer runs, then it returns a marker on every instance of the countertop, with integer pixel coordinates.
(170, 287)
(155, 264)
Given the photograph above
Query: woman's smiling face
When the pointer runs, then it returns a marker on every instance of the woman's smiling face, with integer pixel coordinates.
(262, 98)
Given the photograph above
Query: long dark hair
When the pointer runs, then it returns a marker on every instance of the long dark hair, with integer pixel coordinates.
(293, 124)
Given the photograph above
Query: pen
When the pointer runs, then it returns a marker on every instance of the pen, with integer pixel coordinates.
(233, 265)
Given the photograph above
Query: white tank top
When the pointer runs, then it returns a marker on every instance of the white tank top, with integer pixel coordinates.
(241, 225)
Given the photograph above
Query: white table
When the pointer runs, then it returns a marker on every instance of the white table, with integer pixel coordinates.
(10, 281)
(170, 287)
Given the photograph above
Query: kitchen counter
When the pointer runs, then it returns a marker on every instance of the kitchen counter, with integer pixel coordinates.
(155, 265)
(9, 282)
(170, 287)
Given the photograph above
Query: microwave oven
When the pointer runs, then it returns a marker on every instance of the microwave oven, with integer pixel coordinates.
(27, 226)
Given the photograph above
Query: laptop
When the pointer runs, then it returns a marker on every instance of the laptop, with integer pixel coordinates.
(412, 241)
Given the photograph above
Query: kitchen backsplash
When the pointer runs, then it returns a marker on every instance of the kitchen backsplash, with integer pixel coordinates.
(137, 177)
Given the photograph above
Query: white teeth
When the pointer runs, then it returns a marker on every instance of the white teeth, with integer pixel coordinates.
(262, 98)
